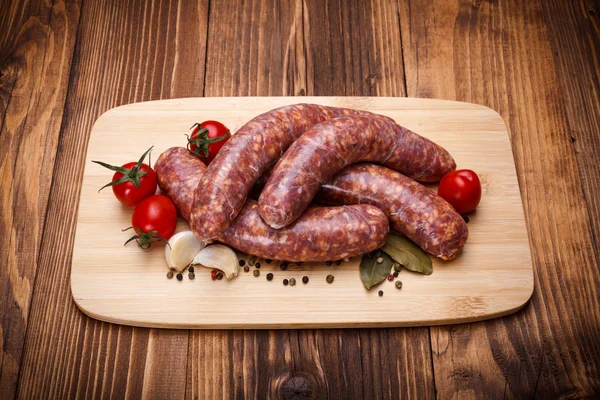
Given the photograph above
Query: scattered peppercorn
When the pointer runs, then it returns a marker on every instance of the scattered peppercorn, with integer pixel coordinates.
(396, 273)
(219, 276)
(256, 272)
(246, 269)
(390, 277)
(242, 263)
(305, 279)
(329, 278)
(191, 269)
(170, 274)
(285, 282)
(397, 267)
(466, 218)
(293, 282)
(257, 265)
(283, 266)
(338, 262)
(379, 260)
(191, 275)
(251, 261)
(269, 276)
(380, 293)
(398, 284)
(329, 262)
(268, 261)
(213, 274)
(179, 276)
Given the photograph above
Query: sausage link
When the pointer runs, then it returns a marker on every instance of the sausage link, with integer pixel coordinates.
(414, 210)
(255, 147)
(329, 146)
(178, 173)
(321, 234)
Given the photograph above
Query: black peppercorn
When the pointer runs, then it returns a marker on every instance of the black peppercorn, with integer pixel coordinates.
(381, 293)
(293, 282)
(329, 278)
(285, 282)
(396, 273)
(256, 272)
(257, 265)
(269, 276)
(251, 261)
(398, 284)
(338, 262)
(219, 275)
(242, 263)
(466, 218)
(305, 279)
(191, 269)
(268, 261)
(328, 262)
(170, 274)
(179, 276)
(246, 268)
(283, 266)
(191, 275)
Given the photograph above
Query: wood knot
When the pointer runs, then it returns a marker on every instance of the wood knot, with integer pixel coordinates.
(302, 92)
(372, 79)
(298, 386)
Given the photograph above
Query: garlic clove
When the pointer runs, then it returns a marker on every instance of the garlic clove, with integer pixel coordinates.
(220, 257)
(182, 249)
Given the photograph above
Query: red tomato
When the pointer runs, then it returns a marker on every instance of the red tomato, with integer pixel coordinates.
(207, 139)
(155, 213)
(132, 182)
(461, 189)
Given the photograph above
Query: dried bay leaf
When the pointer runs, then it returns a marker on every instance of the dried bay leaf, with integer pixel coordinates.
(372, 272)
(405, 252)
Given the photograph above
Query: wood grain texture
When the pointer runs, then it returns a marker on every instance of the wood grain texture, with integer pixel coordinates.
(483, 52)
(37, 48)
(124, 53)
(491, 277)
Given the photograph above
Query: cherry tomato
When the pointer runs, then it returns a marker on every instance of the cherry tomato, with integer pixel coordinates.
(155, 213)
(207, 139)
(461, 189)
(132, 182)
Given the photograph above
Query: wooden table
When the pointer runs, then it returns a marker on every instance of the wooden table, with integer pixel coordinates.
(62, 64)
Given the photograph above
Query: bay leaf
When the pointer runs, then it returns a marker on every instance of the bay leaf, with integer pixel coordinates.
(405, 252)
(372, 272)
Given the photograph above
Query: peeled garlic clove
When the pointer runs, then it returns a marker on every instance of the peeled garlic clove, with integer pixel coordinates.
(220, 257)
(182, 249)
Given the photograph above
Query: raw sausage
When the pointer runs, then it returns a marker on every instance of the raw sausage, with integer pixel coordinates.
(329, 146)
(256, 146)
(414, 210)
(321, 234)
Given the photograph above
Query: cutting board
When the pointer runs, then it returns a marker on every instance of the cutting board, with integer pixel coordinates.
(125, 285)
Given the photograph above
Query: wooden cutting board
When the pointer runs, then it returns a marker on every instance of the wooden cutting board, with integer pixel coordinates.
(491, 277)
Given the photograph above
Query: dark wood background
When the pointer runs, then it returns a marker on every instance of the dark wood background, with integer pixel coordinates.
(63, 63)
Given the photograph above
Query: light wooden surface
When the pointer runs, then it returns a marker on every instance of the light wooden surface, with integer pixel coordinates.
(63, 63)
(491, 277)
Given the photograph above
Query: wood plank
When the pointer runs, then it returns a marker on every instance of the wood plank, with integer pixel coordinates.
(287, 363)
(499, 54)
(575, 33)
(123, 54)
(485, 281)
(36, 47)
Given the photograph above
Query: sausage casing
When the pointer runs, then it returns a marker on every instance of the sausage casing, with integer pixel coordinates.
(321, 234)
(254, 148)
(331, 145)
